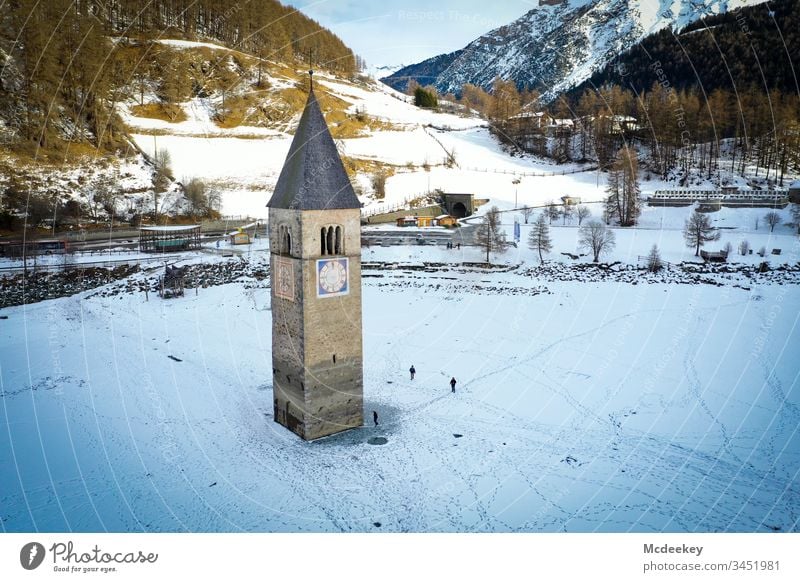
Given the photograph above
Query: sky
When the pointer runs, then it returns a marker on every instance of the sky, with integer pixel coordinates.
(403, 33)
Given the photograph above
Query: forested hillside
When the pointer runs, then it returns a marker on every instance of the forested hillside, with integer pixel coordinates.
(65, 64)
(758, 45)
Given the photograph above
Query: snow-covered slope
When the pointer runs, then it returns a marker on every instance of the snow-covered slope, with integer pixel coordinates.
(242, 163)
(556, 47)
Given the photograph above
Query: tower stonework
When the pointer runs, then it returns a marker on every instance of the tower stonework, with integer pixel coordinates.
(315, 271)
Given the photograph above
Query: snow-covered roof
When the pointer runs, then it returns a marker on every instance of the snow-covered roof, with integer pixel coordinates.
(527, 114)
(441, 216)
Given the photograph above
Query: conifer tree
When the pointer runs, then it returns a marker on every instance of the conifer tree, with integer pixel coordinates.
(539, 237)
(698, 231)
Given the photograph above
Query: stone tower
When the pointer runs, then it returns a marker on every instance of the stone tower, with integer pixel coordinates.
(315, 261)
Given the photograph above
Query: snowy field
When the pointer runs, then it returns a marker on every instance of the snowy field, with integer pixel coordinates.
(580, 406)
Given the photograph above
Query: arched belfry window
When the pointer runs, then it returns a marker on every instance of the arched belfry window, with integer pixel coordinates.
(285, 239)
(331, 240)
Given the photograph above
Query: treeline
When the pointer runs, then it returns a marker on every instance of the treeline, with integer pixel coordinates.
(262, 27)
(61, 73)
(687, 128)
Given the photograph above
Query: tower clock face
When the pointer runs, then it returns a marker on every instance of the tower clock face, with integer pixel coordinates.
(332, 277)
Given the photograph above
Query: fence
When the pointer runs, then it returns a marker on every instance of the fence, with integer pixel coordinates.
(68, 266)
(529, 174)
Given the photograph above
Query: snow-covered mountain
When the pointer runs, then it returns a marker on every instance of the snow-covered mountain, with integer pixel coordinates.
(556, 46)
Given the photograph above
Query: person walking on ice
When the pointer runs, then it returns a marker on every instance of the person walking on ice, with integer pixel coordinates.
(375, 417)
(412, 371)
(453, 385)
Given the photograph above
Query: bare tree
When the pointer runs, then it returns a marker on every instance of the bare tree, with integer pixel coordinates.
(489, 235)
(552, 211)
(773, 219)
(378, 180)
(527, 211)
(698, 231)
(539, 237)
(654, 263)
(596, 237)
(450, 157)
(728, 248)
(196, 194)
(583, 213)
(567, 213)
(623, 188)
(744, 247)
(162, 176)
(98, 197)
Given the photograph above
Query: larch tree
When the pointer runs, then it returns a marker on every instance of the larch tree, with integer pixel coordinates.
(698, 231)
(654, 263)
(623, 188)
(490, 235)
(539, 237)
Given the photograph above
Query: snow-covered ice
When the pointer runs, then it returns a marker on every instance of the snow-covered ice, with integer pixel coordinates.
(579, 407)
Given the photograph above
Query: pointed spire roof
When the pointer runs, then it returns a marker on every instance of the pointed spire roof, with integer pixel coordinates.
(313, 177)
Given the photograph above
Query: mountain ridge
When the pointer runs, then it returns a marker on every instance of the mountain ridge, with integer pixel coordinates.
(553, 48)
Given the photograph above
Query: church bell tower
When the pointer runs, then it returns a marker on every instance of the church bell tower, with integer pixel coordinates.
(315, 271)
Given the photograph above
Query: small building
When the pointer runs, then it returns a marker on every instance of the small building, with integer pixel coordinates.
(407, 221)
(714, 256)
(538, 119)
(446, 220)
(623, 124)
(163, 239)
(794, 192)
(239, 238)
(425, 221)
(570, 200)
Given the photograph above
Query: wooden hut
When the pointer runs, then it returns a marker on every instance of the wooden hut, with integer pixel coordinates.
(446, 220)
(239, 238)
(171, 284)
